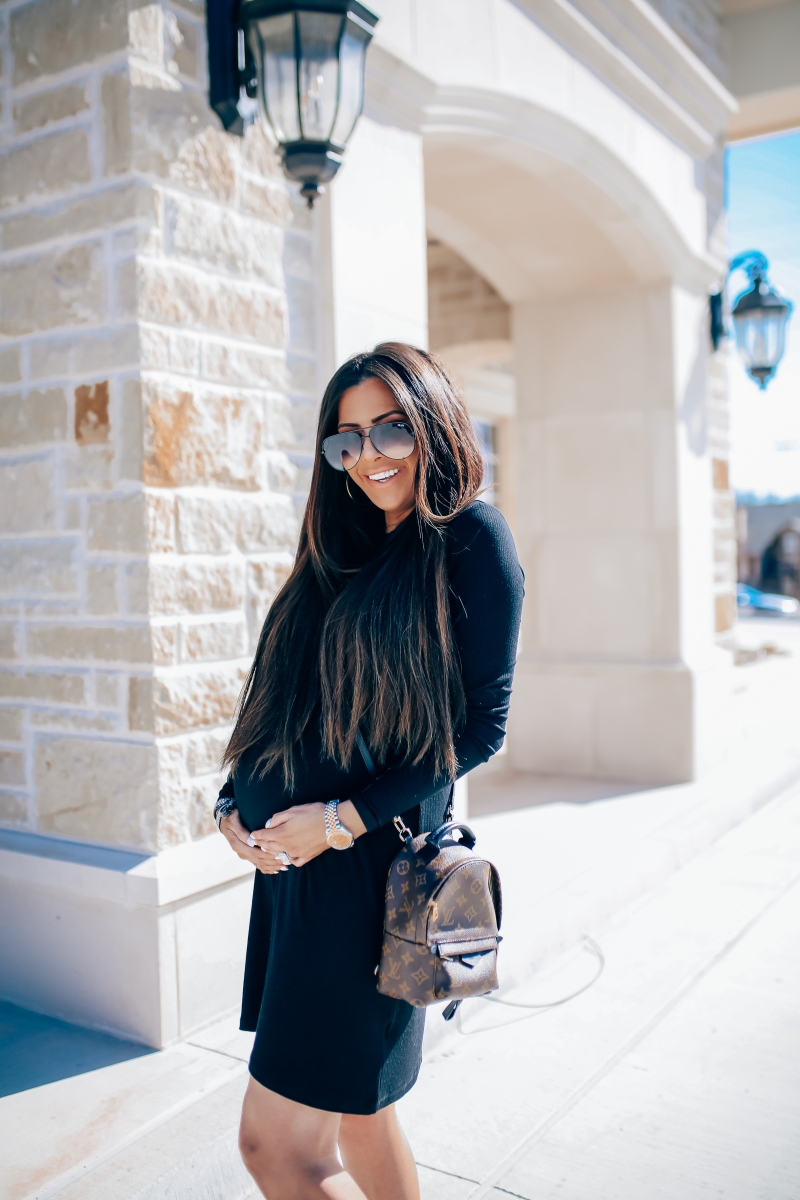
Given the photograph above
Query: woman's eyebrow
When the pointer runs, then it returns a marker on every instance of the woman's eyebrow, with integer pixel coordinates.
(393, 412)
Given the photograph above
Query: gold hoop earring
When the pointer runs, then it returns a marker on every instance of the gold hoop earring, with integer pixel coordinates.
(347, 486)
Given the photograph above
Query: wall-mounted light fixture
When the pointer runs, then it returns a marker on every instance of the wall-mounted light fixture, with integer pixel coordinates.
(304, 59)
(760, 316)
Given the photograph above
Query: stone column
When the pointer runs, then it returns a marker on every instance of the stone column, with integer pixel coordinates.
(145, 487)
(619, 676)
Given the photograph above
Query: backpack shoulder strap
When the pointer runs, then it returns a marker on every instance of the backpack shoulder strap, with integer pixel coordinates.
(365, 754)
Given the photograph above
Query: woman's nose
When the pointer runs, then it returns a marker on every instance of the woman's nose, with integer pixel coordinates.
(368, 450)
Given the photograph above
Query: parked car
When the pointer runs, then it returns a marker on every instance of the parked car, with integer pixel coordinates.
(750, 599)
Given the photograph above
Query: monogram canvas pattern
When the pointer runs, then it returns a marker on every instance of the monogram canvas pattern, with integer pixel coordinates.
(441, 928)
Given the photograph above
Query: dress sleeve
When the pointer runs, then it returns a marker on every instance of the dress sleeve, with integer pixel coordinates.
(486, 590)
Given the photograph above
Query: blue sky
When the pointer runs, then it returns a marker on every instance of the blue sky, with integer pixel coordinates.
(763, 201)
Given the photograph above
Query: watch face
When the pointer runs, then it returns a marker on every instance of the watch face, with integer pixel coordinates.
(340, 839)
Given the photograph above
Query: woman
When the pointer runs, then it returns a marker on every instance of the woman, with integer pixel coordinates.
(399, 622)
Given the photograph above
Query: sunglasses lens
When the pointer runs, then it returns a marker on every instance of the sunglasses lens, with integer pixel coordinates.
(394, 440)
(342, 450)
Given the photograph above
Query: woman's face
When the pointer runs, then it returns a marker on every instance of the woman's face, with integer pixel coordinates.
(388, 482)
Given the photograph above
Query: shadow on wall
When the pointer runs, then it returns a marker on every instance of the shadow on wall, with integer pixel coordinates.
(35, 1050)
(694, 414)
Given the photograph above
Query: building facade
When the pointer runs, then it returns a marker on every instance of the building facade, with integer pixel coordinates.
(534, 191)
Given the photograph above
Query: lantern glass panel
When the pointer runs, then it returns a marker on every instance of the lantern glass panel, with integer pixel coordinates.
(318, 75)
(351, 88)
(760, 336)
(273, 38)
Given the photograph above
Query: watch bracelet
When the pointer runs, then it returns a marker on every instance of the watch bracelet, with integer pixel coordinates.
(223, 808)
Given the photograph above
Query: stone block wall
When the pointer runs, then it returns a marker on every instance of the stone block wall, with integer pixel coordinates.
(462, 305)
(146, 508)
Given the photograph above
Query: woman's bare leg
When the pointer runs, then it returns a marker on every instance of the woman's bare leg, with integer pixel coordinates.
(377, 1155)
(290, 1149)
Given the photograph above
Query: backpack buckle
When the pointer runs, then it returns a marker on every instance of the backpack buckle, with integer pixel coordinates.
(405, 833)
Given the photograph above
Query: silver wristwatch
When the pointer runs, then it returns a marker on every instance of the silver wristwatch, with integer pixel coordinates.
(337, 836)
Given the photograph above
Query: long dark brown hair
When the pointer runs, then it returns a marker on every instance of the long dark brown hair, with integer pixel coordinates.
(361, 629)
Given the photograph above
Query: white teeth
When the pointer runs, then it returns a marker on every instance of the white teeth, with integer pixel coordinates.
(384, 474)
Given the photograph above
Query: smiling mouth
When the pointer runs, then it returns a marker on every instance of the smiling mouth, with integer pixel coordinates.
(381, 475)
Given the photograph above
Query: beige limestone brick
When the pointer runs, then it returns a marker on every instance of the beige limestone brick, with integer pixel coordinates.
(161, 535)
(10, 369)
(27, 500)
(258, 154)
(89, 467)
(224, 241)
(266, 200)
(60, 288)
(166, 350)
(126, 290)
(212, 523)
(92, 422)
(90, 643)
(41, 566)
(146, 33)
(37, 417)
(11, 724)
(196, 586)
(9, 640)
(109, 350)
(73, 514)
(203, 696)
(137, 584)
(101, 590)
(213, 641)
(204, 751)
(184, 52)
(279, 432)
(117, 524)
(265, 578)
(179, 296)
(174, 794)
(103, 791)
(53, 163)
(243, 364)
(201, 439)
(50, 36)
(140, 703)
(113, 205)
(58, 719)
(164, 639)
(13, 809)
(201, 806)
(106, 689)
(131, 432)
(43, 685)
(50, 357)
(12, 768)
(283, 475)
(36, 111)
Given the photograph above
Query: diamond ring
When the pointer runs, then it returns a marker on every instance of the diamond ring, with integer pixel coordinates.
(284, 858)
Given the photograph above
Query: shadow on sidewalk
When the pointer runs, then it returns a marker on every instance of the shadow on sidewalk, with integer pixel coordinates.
(35, 1050)
(496, 790)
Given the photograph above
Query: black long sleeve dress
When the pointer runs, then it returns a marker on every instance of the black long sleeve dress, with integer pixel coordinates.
(325, 1037)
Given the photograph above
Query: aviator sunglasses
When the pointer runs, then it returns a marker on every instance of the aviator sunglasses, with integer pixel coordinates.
(393, 439)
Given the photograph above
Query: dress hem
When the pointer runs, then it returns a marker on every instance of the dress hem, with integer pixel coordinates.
(350, 1112)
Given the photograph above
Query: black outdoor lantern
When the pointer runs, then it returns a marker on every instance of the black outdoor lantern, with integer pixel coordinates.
(305, 61)
(760, 316)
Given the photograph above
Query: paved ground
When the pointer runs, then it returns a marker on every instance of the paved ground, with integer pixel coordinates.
(674, 1077)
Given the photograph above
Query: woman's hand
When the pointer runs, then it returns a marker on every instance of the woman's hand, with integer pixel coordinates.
(236, 836)
(300, 831)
